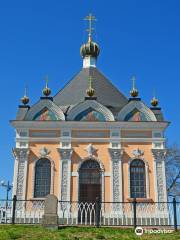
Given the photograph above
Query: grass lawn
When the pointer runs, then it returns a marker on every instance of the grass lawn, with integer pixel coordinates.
(23, 232)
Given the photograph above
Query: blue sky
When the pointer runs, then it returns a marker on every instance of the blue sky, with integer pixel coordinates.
(43, 37)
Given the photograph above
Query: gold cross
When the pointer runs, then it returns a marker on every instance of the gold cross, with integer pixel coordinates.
(133, 81)
(25, 91)
(46, 78)
(90, 18)
(90, 82)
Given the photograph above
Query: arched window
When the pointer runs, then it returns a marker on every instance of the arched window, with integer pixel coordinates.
(42, 178)
(137, 179)
(89, 181)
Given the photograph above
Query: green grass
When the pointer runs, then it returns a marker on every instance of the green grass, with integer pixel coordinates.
(22, 232)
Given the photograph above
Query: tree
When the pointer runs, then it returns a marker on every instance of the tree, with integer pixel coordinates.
(173, 171)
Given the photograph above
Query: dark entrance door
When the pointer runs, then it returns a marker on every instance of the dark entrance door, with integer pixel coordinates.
(89, 189)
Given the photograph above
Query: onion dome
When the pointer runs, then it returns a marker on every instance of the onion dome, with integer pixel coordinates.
(25, 98)
(90, 49)
(46, 91)
(154, 102)
(134, 92)
(90, 91)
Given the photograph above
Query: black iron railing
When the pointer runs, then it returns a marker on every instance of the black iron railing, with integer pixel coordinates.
(96, 213)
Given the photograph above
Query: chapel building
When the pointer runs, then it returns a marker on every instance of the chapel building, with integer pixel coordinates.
(90, 140)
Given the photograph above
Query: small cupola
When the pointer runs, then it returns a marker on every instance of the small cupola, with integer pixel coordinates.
(90, 50)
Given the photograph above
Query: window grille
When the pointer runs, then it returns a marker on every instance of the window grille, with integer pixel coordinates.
(137, 179)
(42, 178)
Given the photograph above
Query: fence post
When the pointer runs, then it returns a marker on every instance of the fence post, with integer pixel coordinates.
(97, 209)
(175, 214)
(14, 209)
(134, 211)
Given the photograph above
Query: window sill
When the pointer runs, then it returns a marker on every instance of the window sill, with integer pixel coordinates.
(140, 200)
(38, 199)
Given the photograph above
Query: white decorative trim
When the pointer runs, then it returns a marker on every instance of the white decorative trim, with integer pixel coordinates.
(30, 139)
(83, 125)
(75, 111)
(20, 171)
(138, 153)
(41, 105)
(159, 174)
(90, 150)
(91, 158)
(116, 180)
(74, 174)
(65, 174)
(140, 106)
(15, 177)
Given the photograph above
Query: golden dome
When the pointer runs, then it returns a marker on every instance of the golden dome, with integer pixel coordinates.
(154, 102)
(90, 49)
(25, 100)
(90, 92)
(134, 92)
(46, 91)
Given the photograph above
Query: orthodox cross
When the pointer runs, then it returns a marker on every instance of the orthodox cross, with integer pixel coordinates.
(133, 81)
(90, 18)
(25, 91)
(46, 78)
(90, 82)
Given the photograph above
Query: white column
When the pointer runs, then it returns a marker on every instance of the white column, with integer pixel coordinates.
(159, 174)
(116, 156)
(20, 172)
(65, 173)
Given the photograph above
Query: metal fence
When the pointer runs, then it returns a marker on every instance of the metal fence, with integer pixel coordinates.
(94, 214)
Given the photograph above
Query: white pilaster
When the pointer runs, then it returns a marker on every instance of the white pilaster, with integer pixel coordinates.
(20, 171)
(65, 163)
(116, 156)
(159, 173)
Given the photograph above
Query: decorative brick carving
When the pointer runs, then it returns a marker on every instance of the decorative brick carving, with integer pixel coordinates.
(22, 157)
(64, 181)
(159, 157)
(116, 155)
(65, 155)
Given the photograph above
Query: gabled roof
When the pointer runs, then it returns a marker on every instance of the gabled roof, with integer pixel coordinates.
(74, 91)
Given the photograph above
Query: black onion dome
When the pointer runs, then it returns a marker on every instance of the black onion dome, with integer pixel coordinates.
(90, 49)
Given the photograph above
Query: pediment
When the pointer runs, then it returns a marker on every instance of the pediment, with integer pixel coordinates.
(90, 110)
(136, 111)
(45, 110)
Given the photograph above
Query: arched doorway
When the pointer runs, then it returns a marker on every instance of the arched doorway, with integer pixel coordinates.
(90, 185)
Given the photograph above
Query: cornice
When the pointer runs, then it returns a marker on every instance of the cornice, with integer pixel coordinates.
(88, 125)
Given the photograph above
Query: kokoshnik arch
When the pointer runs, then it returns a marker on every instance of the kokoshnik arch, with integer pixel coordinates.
(89, 140)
